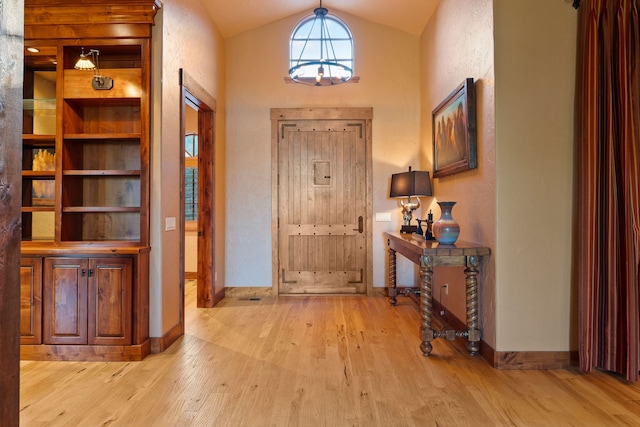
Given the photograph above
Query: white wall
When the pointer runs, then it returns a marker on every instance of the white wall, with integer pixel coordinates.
(256, 63)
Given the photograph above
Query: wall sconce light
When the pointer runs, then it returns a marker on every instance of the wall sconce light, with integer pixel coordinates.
(410, 184)
(90, 61)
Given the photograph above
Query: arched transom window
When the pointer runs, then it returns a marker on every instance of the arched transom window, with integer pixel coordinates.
(321, 50)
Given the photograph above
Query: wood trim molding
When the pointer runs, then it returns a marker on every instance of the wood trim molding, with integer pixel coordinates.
(197, 94)
(249, 292)
(379, 292)
(85, 353)
(71, 19)
(355, 113)
(533, 359)
(160, 344)
(219, 295)
(513, 359)
(65, 12)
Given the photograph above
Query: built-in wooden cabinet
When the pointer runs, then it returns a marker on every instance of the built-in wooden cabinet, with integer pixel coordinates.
(87, 301)
(84, 305)
(85, 180)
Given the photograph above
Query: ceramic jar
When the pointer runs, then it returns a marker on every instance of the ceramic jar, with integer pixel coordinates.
(446, 229)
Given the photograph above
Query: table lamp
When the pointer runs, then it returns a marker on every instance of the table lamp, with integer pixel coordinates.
(410, 184)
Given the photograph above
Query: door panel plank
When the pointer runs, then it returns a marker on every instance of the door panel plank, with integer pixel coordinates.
(31, 301)
(65, 296)
(110, 301)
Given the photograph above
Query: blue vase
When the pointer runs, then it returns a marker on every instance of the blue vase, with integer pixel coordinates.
(446, 230)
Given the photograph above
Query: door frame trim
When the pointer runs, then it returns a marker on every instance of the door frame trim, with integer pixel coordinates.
(196, 96)
(347, 113)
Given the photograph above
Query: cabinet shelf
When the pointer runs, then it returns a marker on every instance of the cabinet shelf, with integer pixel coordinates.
(107, 117)
(38, 174)
(36, 140)
(100, 209)
(39, 107)
(37, 209)
(100, 172)
(35, 104)
(99, 136)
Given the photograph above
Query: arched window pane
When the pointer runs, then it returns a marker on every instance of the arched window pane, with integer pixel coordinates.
(305, 44)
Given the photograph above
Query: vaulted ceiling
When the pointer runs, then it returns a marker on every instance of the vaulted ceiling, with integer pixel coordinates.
(236, 16)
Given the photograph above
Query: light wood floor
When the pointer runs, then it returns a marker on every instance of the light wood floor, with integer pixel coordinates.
(315, 361)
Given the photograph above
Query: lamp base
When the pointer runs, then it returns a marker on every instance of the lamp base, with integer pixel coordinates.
(409, 229)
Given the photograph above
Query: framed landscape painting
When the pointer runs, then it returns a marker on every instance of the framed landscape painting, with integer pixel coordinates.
(454, 132)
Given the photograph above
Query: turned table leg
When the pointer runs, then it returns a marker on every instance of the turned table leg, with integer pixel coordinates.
(393, 291)
(426, 304)
(471, 272)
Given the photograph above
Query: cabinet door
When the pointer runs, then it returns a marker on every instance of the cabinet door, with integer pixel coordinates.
(31, 301)
(65, 300)
(109, 304)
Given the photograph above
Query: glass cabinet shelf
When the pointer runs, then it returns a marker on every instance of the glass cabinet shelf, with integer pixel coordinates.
(39, 107)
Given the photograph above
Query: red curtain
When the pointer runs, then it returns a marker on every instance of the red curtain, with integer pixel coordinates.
(608, 148)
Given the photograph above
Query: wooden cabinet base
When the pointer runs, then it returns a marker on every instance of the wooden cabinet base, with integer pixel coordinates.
(86, 353)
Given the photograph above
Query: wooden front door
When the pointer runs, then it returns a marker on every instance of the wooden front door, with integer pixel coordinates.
(323, 221)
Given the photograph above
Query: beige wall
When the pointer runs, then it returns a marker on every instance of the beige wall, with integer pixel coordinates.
(519, 200)
(456, 44)
(256, 63)
(180, 24)
(535, 70)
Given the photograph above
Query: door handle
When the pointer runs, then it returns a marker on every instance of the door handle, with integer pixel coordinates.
(360, 228)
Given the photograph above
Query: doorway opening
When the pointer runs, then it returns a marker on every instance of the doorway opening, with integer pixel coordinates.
(197, 249)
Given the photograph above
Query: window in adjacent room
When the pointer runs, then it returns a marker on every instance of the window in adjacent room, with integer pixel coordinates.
(191, 177)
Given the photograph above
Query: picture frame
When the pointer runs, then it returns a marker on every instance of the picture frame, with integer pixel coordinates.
(454, 131)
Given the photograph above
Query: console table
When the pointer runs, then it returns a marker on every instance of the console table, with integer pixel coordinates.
(428, 254)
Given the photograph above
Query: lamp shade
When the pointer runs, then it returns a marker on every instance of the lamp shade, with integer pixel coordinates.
(84, 62)
(412, 183)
